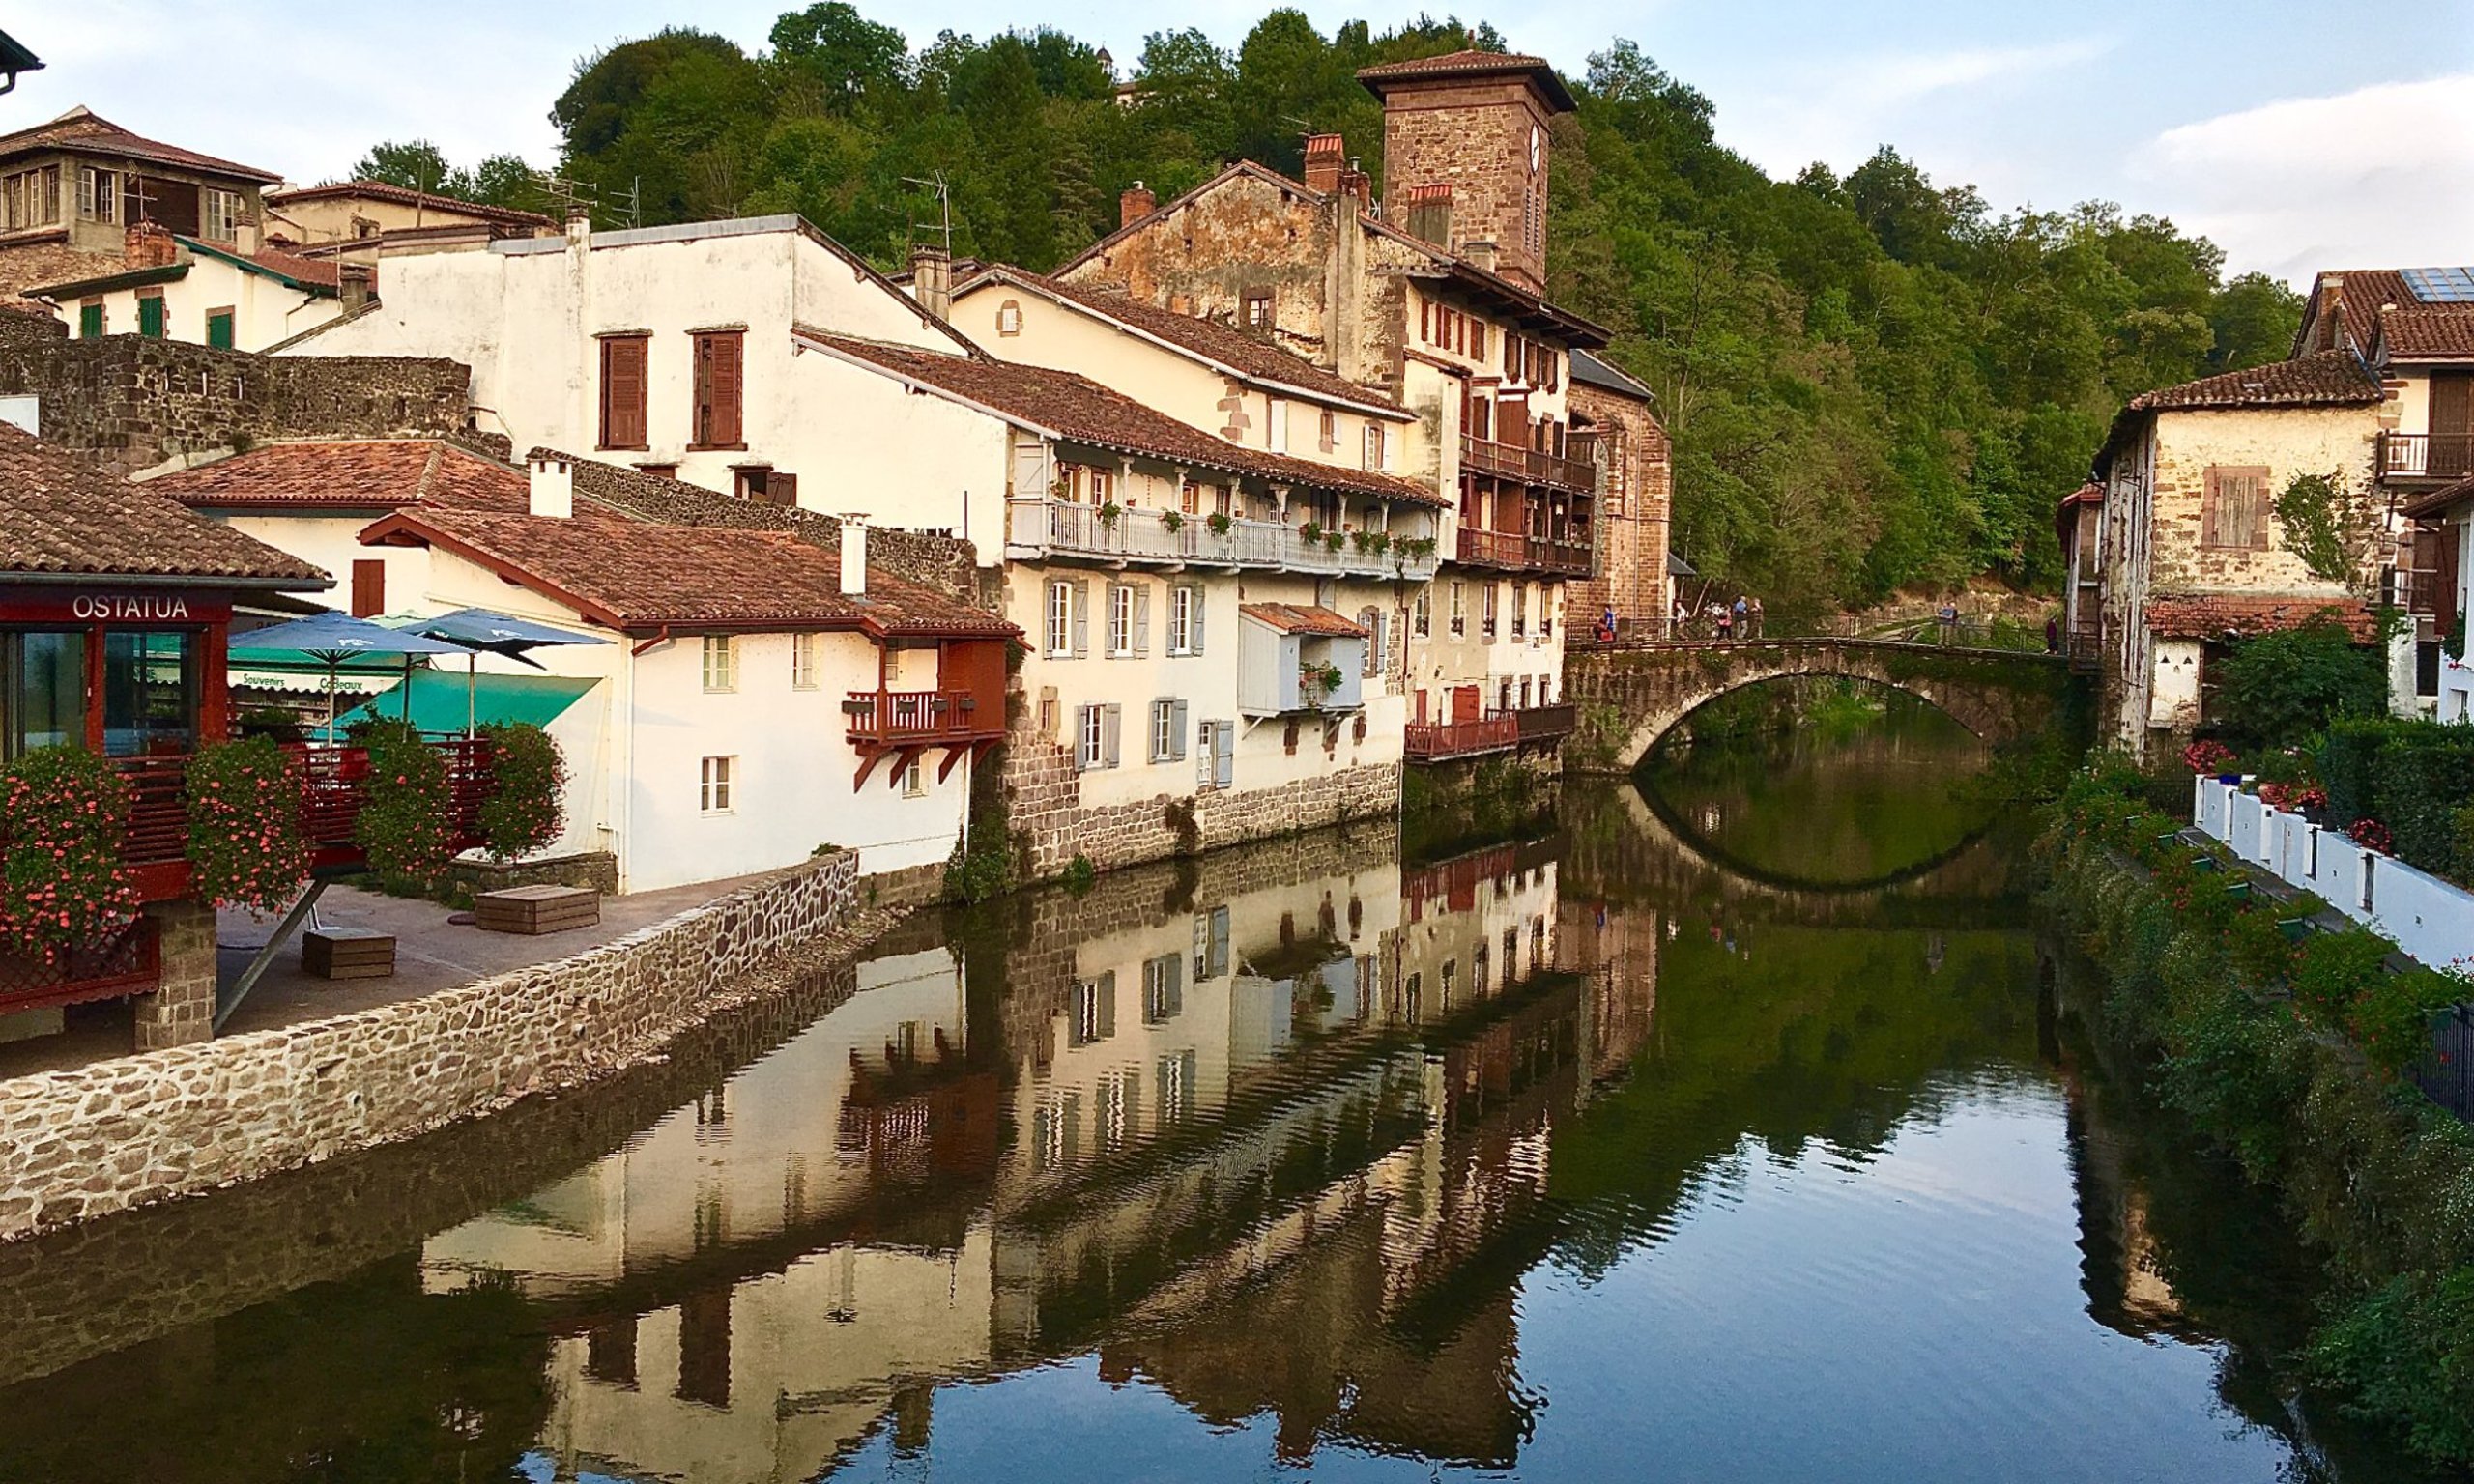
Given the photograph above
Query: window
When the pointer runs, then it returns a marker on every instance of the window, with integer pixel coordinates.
(150, 314)
(803, 662)
(1259, 309)
(1487, 624)
(713, 797)
(1373, 445)
(2234, 509)
(1330, 436)
(1519, 609)
(1214, 754)
(1190, 498)
(90, 319)
(1370, 619)
(714, 421)
(1276, 427)
(1095, 729)
(623, 388)
(1167, 730)
(1184, 620)
(1104, 486)
(1459, 610)
(1164, 986)
(30, 199)
(1129, 622)
(1477, 339)
(762, 484)
(1420, 615)
(1009, 317)
(218, 329)
(219, 214)
(1478, 969)
(98, 194)
(1061, 604)
(658, 471)
(721, 663)
(914, 780)
(368, 588)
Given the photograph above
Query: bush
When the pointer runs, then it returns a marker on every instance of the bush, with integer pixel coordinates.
(2334, 969)
(2416, 777)
(2406, 1354)
(524, 810)
(2391, 1019)
(245, 845)
(405, 812)
(62, 811)
(2278, 689)
(1079, 874)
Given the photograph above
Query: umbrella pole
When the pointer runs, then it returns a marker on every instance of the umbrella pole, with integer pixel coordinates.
(470, 660)
(331, 666)
(407, 710)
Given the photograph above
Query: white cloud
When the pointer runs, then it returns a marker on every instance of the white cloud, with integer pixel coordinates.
(2379, 177)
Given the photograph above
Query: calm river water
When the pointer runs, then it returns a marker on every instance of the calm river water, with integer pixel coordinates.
(1721, 1127)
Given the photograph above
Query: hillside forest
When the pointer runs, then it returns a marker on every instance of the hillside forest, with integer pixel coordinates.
(1876, 384)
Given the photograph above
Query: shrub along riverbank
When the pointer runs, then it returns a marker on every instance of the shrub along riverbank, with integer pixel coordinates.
(2286, 1046)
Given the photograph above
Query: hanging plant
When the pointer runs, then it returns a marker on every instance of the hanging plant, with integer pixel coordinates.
(1333, 540)
(1108, 514)
(1219, 523)
(1312, 531)
(1174, 521)
(63, 812)
(528, 786)
(246, 845)
(404, 824)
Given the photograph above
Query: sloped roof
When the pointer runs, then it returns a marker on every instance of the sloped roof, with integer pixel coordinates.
(2214, 616)
(1469, 64)
(404, 195)
(60, 515)
(1302, 619)
(1606, 376)
(2438, 502)
(1068, 405)
(632, 574)
(350, 475)
(83, 128)
(2324, 379)
(1244, 167)
(2431, 332)
(1248, 355)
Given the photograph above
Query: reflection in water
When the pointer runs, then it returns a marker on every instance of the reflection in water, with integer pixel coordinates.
(1550, 1158)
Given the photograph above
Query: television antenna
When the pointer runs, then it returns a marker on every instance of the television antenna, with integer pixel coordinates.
(944, 204)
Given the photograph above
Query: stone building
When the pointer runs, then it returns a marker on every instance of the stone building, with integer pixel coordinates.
(71, 188)
(1434, 302)
(1634, 578)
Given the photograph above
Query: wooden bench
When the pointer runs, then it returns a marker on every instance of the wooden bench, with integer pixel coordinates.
(536, 910)
(348, 953)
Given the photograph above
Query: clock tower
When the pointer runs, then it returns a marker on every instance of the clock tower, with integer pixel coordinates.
(1474, 122)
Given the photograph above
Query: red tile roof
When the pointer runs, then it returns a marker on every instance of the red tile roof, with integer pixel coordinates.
(1249, 356)
(60, 515)
(360, 474)
(2325, 379)
(1076, 407)
(640, 574)
(2429, 331)
(2215, 615)
(1300, 618)
(402, 195)
(82, 130)
(1469, 64)
(2438, 502)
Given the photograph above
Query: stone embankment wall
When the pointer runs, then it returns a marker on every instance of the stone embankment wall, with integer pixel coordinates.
(105, 1137)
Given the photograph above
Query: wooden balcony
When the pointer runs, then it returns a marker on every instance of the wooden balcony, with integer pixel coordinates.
(1500, 733)
(1040, 527)
(2438, 457)
(919, 718)
(119, 964)
(1511, 551)
(1530, 466)
(1548, 724)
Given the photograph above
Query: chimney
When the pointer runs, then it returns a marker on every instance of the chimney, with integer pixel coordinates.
(579, 224)
(148, 245)
(552, 490)
(2329, 331)
(1137, 203)
(1323, 162)
(854, 555)
(1430, 213)
(356, 284)
(1355, 182)
(1480, 255)
(932, 279)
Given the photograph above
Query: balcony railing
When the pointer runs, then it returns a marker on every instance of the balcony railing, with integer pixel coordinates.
(899, 718)
(1513, 551)
(1502, 732)
(1040, 527)
(1548, 724)
(2426, 455)
(1529, 466)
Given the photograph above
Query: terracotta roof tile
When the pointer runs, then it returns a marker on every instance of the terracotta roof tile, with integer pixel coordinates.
(1469, 64)
(371, 475)
(2430, 331)
(1078, 407)
(59, 514)
(1300, 618)
(2215, 615)
(404, 195)
(2325, 379)
(80, 128)
(2438, 502)
(632, 574)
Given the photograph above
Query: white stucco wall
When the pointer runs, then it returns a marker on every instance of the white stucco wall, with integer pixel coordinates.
(2431, 919)
(264, 311)
(2174, 686)
(333, 543)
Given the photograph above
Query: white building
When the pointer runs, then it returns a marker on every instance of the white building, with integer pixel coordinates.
(2444, 529)
(232, 295)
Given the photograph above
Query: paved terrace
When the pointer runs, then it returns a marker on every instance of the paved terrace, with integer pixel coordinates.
(431, 954)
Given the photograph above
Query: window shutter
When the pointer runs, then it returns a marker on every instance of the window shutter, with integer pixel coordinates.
(1110, 715)
(1108, 1003)
(1142, 621)
(623, 392)
(1082, 759)
(90, 321)
(1194, 628)
(1173, 986)
(368, 588)
(1081, 619)
(1176, 731)
(218, 330)
(1224, 753)
(781, 489)
(2211, 507)
(727, 370)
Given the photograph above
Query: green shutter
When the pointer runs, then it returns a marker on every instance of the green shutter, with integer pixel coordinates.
(218, 330)
(90, 322)
(150, 317)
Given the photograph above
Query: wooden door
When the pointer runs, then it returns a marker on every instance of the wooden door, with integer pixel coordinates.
(2452, 451)
(1465, 703)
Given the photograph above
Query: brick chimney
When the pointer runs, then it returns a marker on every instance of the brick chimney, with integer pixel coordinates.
(854, 554)
(1482, 255)
(1323, 162)
(553, 489)
(1137, 203)
(932, 279)
(356, 284)
(2329, 331)
(1355, 182)
(148, 245)
(1430, 213)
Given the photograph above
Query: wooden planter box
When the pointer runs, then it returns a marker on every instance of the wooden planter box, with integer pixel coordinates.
(533, 910)
(348, 953)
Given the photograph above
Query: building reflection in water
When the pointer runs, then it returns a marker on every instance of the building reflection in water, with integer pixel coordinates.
(1312, 1102)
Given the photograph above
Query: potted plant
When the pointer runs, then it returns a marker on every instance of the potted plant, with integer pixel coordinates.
(1312, 531)
(1221, 522)
(1333, 539)
(1108, 514)
(1174, 520)
(1362, 540)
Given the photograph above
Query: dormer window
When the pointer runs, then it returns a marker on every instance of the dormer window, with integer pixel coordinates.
(1009, 317)
(219, 214)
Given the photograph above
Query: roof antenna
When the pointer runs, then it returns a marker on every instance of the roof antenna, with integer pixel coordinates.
(944, 202)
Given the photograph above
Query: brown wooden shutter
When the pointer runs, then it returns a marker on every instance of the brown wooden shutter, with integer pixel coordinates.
(719, 367)
(781, 489)
(368, 588)
(623, 388)
(2451, 454)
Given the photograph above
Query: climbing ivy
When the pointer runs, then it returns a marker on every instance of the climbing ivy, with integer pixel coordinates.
(2323, 527)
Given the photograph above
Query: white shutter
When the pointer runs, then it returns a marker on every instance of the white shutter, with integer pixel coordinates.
(1223, 751)
(1194, 631)
(1110, 716)
(1082, 729)
(1107, 1004)
(1081, 619)
(1278, 425)
(1142, 621)
(1176, 731)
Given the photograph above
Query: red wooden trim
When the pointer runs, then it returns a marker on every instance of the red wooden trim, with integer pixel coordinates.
(867, 765)
(953, 754)
(214, 685)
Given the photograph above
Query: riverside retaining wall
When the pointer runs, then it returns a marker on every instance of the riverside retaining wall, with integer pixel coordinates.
(122, 1132)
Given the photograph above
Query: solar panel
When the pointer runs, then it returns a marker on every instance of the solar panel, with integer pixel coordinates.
(2441, 285)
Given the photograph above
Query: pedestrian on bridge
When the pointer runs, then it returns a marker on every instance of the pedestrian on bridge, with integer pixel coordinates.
(1755, 631)
(1727, 621)
(1949, 617)
(1742, 617)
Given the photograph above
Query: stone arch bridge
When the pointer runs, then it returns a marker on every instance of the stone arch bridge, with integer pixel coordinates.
(1628, 697)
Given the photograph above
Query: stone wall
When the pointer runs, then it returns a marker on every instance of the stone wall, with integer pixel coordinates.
(130, 402)
(104, 1138)
(1634, 503)
(1044, 795)
(597, 870)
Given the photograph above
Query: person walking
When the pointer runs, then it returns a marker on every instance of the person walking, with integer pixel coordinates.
(1726, 622)
(1756, 629)
(1678, 622)
(1742, 617)
(1949, 617)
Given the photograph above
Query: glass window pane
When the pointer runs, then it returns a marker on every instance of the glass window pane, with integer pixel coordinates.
(150, 693)
(44, 697)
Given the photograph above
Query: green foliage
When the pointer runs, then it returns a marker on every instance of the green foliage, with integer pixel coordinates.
(62, 886)
(416, 164)
(2323, 525)
(2404, 1353)
(2335, 969)
(404, 823)
(246, 846)
(526, 807)
(2414, 777)
(2279, 689)
(1079, 874)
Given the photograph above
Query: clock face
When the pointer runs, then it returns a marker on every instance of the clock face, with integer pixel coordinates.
(1537, 148)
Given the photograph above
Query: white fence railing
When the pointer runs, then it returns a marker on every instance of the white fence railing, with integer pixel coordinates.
(2431, 919)
(1038, 527)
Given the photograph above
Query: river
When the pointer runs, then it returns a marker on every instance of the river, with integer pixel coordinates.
(1721, 1124)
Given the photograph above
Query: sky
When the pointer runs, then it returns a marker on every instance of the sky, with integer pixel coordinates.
(2297, 136)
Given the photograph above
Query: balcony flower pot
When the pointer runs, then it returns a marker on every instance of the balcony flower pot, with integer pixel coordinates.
(1174, 521)
(1220, 524)
(858, 709)
(1108, 514)
(1333, 539)
(1312, 531)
